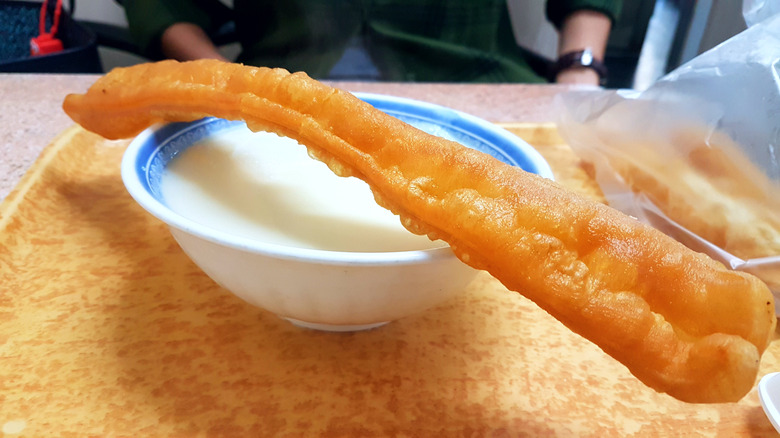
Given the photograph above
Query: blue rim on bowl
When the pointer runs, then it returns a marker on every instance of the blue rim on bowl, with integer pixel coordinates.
(149, 152)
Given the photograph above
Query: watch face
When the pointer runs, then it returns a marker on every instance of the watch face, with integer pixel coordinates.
(586, 58)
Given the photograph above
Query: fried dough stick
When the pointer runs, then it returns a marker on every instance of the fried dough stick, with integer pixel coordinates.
(682, 323)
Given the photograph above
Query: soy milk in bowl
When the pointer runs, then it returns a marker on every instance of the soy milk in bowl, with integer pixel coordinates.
(280, 231)
(265, 187)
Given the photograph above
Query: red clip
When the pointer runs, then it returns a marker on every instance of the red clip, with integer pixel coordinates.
(46, 42)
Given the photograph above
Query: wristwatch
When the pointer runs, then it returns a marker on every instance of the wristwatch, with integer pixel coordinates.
(580, 58)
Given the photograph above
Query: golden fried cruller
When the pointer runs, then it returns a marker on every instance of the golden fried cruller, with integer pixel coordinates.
(681, 322)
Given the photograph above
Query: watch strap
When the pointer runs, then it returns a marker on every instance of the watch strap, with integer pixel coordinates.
(580, 58)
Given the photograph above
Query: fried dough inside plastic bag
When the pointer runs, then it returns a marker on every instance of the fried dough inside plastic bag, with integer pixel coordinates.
(697, 154)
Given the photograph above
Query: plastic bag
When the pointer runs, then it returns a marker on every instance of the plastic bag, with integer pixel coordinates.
(697, 154)
(756, 11)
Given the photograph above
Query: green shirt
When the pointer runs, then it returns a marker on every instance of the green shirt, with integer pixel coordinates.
(408, 40)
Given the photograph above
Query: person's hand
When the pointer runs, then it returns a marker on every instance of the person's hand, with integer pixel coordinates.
(578, 76)
(186, 42)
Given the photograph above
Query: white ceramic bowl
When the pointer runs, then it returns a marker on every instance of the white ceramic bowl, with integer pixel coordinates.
(328, 290)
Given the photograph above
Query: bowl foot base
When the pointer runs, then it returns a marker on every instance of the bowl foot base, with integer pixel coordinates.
(335, 327)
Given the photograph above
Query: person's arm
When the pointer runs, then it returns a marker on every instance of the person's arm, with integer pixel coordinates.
(187, 41)
(185, 21)
(584, 29)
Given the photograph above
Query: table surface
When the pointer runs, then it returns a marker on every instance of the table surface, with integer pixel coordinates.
(455, 367)
(31, 114)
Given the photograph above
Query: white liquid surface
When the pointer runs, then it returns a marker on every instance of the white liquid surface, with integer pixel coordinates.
(265, 187)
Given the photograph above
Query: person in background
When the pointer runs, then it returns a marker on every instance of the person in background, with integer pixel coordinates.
(392, 40)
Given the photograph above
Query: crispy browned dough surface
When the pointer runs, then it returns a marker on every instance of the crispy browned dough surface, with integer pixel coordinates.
(682, 323)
